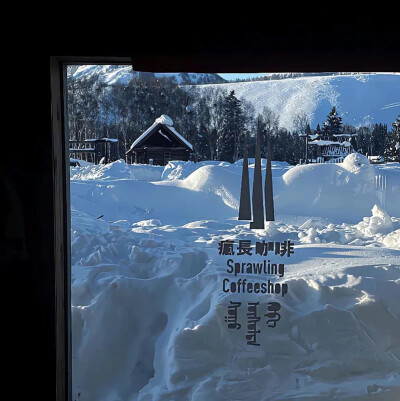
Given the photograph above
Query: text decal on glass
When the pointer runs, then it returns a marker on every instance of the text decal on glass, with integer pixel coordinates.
(244, 286)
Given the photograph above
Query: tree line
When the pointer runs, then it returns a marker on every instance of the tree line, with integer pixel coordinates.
(214, 120)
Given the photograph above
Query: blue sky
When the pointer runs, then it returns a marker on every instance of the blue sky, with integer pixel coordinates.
(233, 76)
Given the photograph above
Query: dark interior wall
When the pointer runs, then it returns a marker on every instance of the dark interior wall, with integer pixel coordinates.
(27, 266)
(333, 41)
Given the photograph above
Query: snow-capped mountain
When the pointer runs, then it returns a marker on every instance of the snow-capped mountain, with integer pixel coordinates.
(364, 98)
(359, 99)
(112, 74)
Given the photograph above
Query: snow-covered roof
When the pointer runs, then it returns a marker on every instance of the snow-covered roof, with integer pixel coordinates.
(164, 120)
(181, 137)
(322, 142)
(101, 140)
(346, 135)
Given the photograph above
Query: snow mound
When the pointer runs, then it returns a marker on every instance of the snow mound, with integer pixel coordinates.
(356, 162)
(334, 192)
(337, 191)
(392, 240)
(214, 179)
(379, 223)
(177, 170)
(117, 170)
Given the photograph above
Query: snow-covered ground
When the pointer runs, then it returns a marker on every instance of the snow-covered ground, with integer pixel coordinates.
(360, 99)
(148, 306)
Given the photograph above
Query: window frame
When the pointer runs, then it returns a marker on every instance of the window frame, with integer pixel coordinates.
(61, 213)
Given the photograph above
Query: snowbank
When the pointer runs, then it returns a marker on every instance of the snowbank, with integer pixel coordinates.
(340, 192)
(82, 163)
(148, 318)
(377, 230)
(148, 310)
(116, 171)
(177, 170)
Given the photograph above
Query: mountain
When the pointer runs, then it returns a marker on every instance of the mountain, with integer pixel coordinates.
(360, 98)
(112, 74)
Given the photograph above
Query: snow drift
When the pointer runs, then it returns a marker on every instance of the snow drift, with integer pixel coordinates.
(116, 171)
(344, 191)
(147, 306)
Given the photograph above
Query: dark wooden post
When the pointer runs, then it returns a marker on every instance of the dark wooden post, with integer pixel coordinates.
(245, 206)
(269, 196)
(258, 207)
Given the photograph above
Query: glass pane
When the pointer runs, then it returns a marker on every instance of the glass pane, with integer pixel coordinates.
(234, 236)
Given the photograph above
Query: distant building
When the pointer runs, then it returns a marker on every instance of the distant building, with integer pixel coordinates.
(95, 150)
(329, 151)
(159, 144)
(376, 159)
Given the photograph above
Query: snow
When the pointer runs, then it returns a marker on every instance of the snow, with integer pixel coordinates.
(323, 142)
(102, 139)
(360, 99)
(188, 144)
(123, 74)
(117, 170)
(109, 74)
(164, 119)
(145, 133)
(82, 163)
(81, 149)
(147, 305)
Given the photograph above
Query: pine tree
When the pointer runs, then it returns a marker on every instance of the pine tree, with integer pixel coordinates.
(378, 139)
(392, 148)
(332, 126)
(318, 130)
(232, 132)
(308, 130)
(363, 144)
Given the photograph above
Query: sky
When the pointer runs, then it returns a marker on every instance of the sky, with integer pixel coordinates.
(233, 76)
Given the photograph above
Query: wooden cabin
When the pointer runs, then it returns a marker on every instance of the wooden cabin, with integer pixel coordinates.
(159, 144)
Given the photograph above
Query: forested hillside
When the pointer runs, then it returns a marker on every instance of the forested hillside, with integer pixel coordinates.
(214, 118)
